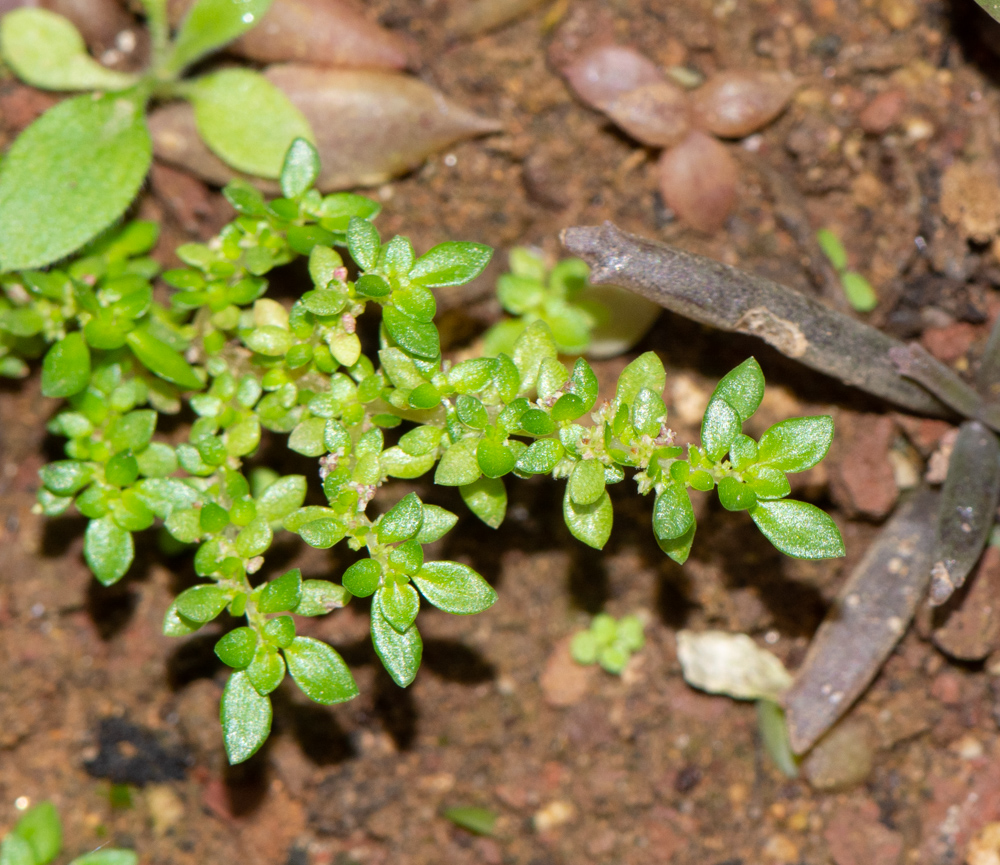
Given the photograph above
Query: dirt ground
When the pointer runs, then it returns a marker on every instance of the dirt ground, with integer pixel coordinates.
(118, 725)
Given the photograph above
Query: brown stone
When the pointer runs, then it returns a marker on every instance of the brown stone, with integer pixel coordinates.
(883, 112)
(949, 343)
(861, 479)
(564, 681)
(856, 837)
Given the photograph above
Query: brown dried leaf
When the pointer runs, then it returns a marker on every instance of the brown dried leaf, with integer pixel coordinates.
(734, 104)
(370, 126)
(698, 181)
(859, 632)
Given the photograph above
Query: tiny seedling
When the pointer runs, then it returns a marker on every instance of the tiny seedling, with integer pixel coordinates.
(246, 366)
(37, 840)
(858, 291)
(76, 169)
(608, 642)
(478, 821)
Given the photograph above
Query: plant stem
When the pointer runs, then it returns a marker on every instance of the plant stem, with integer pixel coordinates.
(159, 31)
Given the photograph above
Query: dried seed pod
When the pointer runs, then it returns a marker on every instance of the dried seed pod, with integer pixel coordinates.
(480, 16)
(734, 104)
(655, 114)
(319, 32)
(603, 74)
(698, 181)
(370, 126)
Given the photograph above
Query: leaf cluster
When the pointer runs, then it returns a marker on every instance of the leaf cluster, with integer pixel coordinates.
(858, 291)
(609, 642)
(246, 366)
(37, 840)
(76, 169)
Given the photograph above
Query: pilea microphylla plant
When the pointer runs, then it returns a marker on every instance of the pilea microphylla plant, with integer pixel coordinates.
(76, 169)
(245, 363)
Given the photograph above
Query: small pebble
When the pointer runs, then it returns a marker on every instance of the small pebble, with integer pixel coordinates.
(698, 181)
(842, 759)
(883, 112)
(554, 814)
(734, 104)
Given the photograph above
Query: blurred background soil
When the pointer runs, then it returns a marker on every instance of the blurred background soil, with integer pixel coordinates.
(897, 101)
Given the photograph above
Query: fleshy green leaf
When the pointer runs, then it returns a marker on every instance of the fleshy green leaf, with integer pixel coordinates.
(586, 483)
(363, 242)
(46, 50)
(108, 549)
(400, 653)
(437, 523)
(299, 171)
(69, 175)
(161, 359)
(399, 603)
(798, 529)
(454, 588)
(589, 523)
(458, 466)
(672, 512)
(176, 625)
(202, 603)
(736, 496)
(495, 458)
(320, 597)
(66, 367)
(282, 594)
(237, 648)
(363, 577)
(281, 498)
(419, 338)
(452, 263)
(247, 121)
(858, 291)
(719, 427)
(796, 444)
(645, 371)
(209, 25)
(107, 856)
(402, 521)
(487, 499)
(678, 548)
(14, 850)
(41, 828)
(832, 248)
(742, 388)
(245, 717)
(479, 821)
(319, 671)
(541, 457)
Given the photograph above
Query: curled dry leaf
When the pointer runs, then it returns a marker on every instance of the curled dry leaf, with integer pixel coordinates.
(735, 104)
(655, 114)
(698, 181)
(319, 32)
(731, 664)
(480, 16)
(604, 74)
(860, 631)
(370, 126)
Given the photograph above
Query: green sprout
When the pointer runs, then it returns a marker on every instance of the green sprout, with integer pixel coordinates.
(858, 291)
(37, 840)
(249, 367)
(76, 169)
(608, 642)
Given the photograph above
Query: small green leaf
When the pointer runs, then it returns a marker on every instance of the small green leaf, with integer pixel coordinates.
(66, 477)
(742, 388)
(832, 248)
(452, 263)
(69, 175)
(247, 121)
(796, 444)
(419, 338)
(41, 828)
(396, 463)
(586, 483)
(254, 538)
(487, 499)
(323, 533)
(176, 625)
(402, 521)
(363, 242)
(202, 603)
(541, 457)
(66, 368)
(267, 670)
(319, 671)
(14, 850)
(245, 716)
(479, 821)
(471, 412)
(399, 603)
(495, 458)
(281, 594)
(719, 427)
(678, 548)
(454, 588)
(589, 523)
(568, 407)
(210, 24)
(645, 371)
(400, 653)
(532, 347)
(300, 170)
(798, 529)
(437, 523)
(648, 412)
(672, 512)
(858, 291)
(237, 648)
(458, 465)
(281, 498)
(161, 359)
(107, 856)
(767, 482)
(736, 496)
(108, 549)
(47, 51)
(320, 597)
(363, 578)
